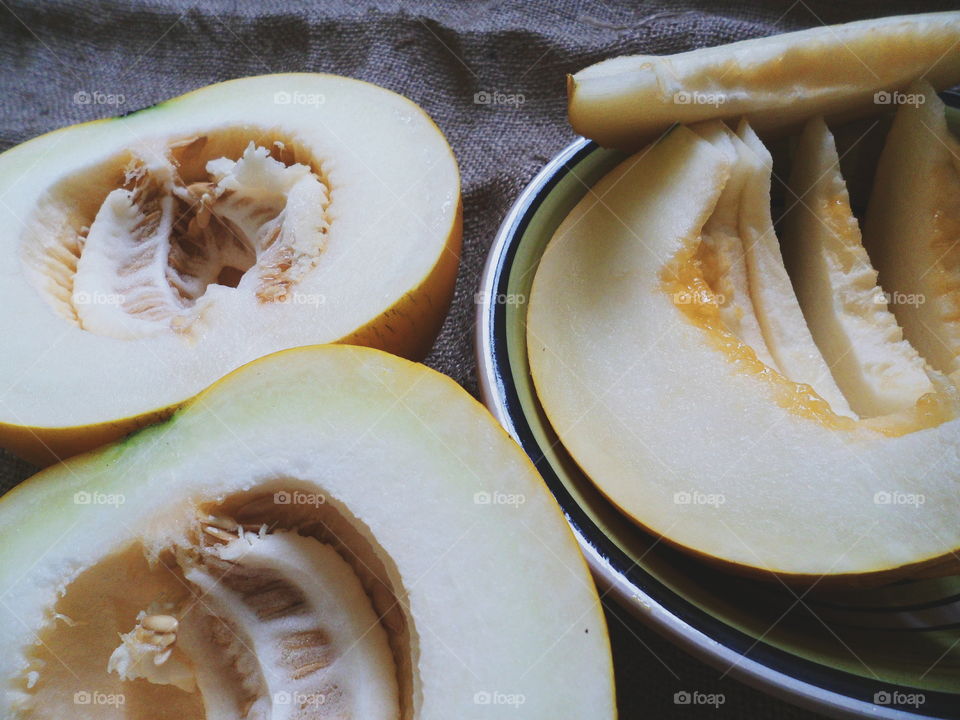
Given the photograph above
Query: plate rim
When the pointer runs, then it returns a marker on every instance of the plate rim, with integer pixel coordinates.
(490, 351)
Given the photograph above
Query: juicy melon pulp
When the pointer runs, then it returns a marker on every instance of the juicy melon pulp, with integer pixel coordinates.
(879, 372)
(680, 423)
(310, 538)
(916, 204)
(163, 249)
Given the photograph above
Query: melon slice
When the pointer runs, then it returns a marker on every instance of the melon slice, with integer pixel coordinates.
(840, 71)
(721, 249)
(680, 425)
(877, 370)
(310, 538)
(148, 255)
(784, 327)
(912, 228)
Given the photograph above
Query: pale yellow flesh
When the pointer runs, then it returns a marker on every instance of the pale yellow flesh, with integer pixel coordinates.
(776, 81)
(846, 311)
(394, 206)
(784, 327)
(721, 236)
(912, 228)
(460, 531)
(691, 445)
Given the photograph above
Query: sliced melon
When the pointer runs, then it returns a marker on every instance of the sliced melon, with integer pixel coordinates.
(721, 249)
(877, 370)
(148, 255)
(912, 228)
(311, 538)
(678, 423)
(777, 81)
(784, 328)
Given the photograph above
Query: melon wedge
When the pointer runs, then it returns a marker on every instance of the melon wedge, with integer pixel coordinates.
(721, 249)
(877, 370)
(676, 421)
(310, 538)
(784, 327)
(777, 81)
(148, 255)
(912, 228)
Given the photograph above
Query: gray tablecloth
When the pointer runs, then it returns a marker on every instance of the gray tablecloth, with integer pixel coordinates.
(55, 55)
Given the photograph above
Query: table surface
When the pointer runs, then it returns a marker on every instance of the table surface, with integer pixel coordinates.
(54, 55)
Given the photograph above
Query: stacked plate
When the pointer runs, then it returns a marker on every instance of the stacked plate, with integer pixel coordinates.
(890, 652)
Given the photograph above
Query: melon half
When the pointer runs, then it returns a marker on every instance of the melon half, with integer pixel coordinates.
(716, 439)
(146, 256)
(329, 532)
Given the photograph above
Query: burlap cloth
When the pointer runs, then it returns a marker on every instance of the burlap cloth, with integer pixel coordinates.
(54, 56)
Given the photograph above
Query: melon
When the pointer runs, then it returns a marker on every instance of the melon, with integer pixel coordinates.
(912, 228)
(847, 312)
(685, 426)
(150, 254)
(841, 71)
(328, 532)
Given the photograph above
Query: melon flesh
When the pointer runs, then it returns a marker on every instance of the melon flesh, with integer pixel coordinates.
(310, 538)
(146, 256)
(877, 370)
(784, 328)
(777, 82)
(912, 228)
(722, 252)
(679, 425)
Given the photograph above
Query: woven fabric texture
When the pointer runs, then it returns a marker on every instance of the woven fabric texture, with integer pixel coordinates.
(57, 56)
